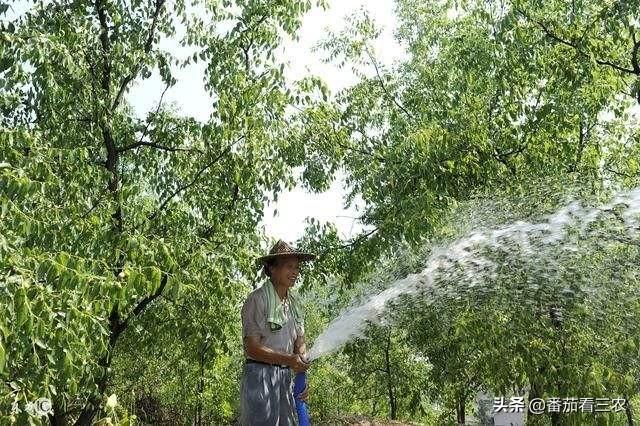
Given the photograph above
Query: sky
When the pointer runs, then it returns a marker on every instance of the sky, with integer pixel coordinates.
(192, 100)
(294, 206)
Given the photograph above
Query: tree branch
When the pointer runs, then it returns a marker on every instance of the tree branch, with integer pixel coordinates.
(147, 49)
(560, 40)
(195, 179)
(360, 238)
(619, 173)
(206, 234)
(634, 53)
(584, 133)
(104, 41)
(140, 307)
(149, 120)
(234, 199)
(247, 29)
(384, 87)
(634, 59)
(503, 157)
(506, 154)
(111, 163)
(158, 146)
(262, 18)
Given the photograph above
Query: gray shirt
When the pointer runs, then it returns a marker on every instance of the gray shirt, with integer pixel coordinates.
(254, 323)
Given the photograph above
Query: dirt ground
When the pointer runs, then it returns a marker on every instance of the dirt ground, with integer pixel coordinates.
(363, 421)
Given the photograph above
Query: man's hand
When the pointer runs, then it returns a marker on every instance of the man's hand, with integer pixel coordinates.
(304, 395)
(297, 364)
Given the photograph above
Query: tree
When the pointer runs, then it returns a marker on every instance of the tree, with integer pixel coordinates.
(488, 99)
(104, 212)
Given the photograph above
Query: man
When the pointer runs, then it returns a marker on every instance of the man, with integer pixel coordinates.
(273, 339)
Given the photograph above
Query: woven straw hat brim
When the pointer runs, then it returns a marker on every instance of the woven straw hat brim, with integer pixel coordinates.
(300, 255)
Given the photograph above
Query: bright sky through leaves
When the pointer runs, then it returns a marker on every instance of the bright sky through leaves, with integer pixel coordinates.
(189, 96)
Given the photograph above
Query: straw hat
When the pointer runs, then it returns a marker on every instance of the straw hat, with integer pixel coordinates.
(282, 249)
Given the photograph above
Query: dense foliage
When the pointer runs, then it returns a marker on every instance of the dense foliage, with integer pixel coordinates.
(106, 216)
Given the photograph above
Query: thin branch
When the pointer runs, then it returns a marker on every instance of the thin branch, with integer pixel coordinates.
(352, 148)
(490, 110)
(104, 41)
(583, 140)
(141, 305)
(503, 157)
(82, 120)
(506, 154)
(206, 234)
(247, 48)
(111, 162)
(620, 174)
(384, 86)
(234, 199)
(362, 151)
(254, 27)
(158, 146)
(245, 51)
(359, 239)
(87, 213)
(195, 179)
(147, 49)
(149, 120)
(349, 245)
(560, 40)
(634, 53)
(94, 78)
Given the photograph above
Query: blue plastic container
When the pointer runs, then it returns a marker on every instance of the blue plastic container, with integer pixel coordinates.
(301, 406)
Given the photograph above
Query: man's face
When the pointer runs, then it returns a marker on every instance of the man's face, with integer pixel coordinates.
(285, 271)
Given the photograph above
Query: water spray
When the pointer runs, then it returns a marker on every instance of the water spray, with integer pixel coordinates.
(464, 255)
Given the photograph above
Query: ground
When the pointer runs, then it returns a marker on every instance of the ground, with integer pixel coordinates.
(364, 421)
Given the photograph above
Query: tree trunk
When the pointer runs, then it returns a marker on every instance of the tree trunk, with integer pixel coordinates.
(204, 348)
(535, 390)
(393, 405)
(59, 415)
(56, 419)
(627, 409)
(200, 391)
(93, 404)
(460, 411)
